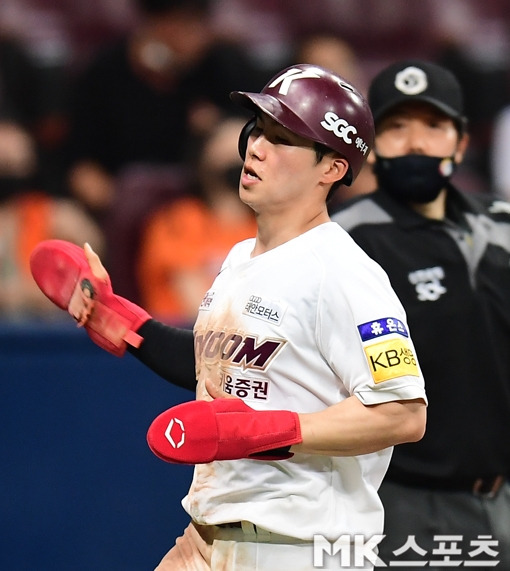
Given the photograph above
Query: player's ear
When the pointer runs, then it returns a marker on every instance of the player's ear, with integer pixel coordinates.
(336, 169)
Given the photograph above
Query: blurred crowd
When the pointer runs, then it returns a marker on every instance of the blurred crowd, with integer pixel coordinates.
(116, 127)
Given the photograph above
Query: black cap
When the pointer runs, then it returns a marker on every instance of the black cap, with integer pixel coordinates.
(417, 80)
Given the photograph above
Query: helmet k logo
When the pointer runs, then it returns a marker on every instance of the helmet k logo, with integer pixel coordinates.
(289, 76)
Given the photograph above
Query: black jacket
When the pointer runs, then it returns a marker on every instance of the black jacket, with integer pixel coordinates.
(453, 278)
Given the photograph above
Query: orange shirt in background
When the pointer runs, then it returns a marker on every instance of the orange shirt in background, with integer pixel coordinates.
(33, 210)
(182, 249)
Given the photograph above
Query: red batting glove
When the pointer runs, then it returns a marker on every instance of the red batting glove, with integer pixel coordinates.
(199, 432)
(62, 272)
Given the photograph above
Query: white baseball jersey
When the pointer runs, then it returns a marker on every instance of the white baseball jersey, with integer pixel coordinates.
(302, 327)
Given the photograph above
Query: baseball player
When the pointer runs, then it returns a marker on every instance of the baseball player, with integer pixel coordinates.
(447, 254)
(305, 370)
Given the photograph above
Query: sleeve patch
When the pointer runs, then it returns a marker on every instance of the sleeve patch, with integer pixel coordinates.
(390, 359)
(380, 327)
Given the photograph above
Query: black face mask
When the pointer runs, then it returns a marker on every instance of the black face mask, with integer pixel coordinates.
(414, 178)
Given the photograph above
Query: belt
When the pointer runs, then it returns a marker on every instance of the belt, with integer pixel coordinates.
(251, 532)
(230, 525)
(485, 487)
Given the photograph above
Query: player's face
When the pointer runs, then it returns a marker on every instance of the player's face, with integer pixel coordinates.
(418, 128)
(280, 167)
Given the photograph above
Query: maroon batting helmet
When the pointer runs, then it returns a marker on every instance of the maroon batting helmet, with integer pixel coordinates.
(318, 105)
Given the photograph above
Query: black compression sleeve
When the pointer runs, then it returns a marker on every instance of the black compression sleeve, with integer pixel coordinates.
(169, 352)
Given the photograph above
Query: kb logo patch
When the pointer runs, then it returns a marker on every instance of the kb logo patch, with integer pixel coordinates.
(391, 359)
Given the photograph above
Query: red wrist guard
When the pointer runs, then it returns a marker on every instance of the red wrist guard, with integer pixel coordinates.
(62, 272)
(199, 432)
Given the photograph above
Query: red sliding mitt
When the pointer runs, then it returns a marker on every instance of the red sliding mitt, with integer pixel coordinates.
(199, 432)
(62, 272)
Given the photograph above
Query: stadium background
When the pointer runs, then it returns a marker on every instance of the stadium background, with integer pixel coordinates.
(79, 489)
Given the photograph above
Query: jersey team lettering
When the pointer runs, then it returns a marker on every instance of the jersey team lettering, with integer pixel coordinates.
(383, 326)
(237, 349)
(207, 301)
(252, 389)
(390, 359)
(266, 310)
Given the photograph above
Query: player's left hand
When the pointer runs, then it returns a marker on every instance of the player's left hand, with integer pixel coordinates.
(199, 432)
(215, 391)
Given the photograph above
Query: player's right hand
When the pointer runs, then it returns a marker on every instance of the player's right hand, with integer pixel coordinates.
(96, 266)
(81, 305)
(76, 280)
